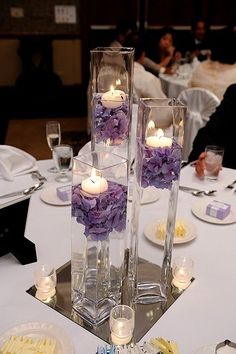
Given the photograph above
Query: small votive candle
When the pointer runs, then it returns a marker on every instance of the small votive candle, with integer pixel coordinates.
(182, 272)
(45, 280)
(121, 324)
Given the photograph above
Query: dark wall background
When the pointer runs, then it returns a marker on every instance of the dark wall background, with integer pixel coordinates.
(96, 21)
(38, 17)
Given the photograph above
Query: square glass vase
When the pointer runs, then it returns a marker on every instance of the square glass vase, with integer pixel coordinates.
(112, 97)
(157, 165)
(99, 229)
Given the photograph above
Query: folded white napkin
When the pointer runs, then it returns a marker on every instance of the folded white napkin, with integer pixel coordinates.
(15, 162)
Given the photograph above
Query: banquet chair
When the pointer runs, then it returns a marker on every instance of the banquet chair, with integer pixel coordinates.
(201, 103)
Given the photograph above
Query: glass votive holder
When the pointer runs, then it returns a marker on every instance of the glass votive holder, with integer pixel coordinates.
(45, 280)
(121, 324)
(182, 271)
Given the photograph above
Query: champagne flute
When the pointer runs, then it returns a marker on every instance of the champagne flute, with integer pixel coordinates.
(53, 134)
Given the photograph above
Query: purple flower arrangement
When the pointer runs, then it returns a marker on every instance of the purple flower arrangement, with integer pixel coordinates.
(100, 214)
(111, 123)
(161, 166)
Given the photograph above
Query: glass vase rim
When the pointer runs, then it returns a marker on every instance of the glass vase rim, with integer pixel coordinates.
(183, 260)
(177, 103)
(62, 145)
(123, 50)
(122, 160)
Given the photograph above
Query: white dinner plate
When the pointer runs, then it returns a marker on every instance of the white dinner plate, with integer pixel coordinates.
(210, 349)
(49, 196)
(150, 195)
(150, 233)
(199, 210)
(40, 330)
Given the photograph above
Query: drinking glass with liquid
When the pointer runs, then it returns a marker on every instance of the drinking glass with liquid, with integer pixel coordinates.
(63, 156)
(213, 161)
(53, 134)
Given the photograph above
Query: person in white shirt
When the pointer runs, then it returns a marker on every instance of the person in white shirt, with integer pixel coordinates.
(146, 85)
(219, 71)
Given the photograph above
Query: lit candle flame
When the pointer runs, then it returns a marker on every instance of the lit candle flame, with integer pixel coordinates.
(118, 82)
(112, 89)
(159, 133)
(95, 173)
(153, 131)
(151, 125)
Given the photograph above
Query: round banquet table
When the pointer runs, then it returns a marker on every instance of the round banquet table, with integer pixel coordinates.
(205, 313)
(173, 85)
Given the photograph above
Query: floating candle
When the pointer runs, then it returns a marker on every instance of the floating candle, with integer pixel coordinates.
(158, 140)
(94, 184)
(113, 98)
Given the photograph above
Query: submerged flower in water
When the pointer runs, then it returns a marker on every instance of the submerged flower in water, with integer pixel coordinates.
(161, 166)
(111, 123)
(103, 213)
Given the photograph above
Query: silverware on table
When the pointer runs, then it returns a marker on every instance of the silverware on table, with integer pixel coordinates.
(197, 192)
(200, 193)
(231, 185)
(188, 189)
(37, 174)
(25, 191)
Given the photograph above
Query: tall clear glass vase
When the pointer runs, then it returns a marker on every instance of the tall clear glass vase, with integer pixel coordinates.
(99, 212)
(157, 167)
(112, 87)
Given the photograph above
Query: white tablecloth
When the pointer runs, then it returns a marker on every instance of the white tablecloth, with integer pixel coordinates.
(172, 85)
(204, 314)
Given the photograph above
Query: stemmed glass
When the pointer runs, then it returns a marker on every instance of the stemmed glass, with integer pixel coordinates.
(63, 155)
(53, 134)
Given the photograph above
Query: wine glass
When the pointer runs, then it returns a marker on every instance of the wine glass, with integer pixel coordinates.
(63, 155)
(53, 134)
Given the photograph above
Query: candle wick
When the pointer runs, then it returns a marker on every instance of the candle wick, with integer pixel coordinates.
(92, 181)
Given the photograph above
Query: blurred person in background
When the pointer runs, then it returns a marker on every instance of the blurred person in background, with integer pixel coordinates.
(199, 42)
(145, 83)
(164, 55)
(167, 54)
(124, 28)
(219, 71)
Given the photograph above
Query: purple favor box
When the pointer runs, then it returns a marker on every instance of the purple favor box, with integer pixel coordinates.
(218, 209)
(64, 193)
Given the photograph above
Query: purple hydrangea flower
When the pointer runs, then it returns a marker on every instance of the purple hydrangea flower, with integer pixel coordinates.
(161, 166)
(103, 213)
(111, 123)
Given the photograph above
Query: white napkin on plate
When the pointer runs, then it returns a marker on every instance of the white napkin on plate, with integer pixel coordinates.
(15, 162)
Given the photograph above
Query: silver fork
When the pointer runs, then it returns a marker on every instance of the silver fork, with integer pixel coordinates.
(231, 185)
(37, 174)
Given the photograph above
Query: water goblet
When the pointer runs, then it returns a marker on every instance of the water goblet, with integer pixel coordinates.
(53, 134)
(63, 156)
